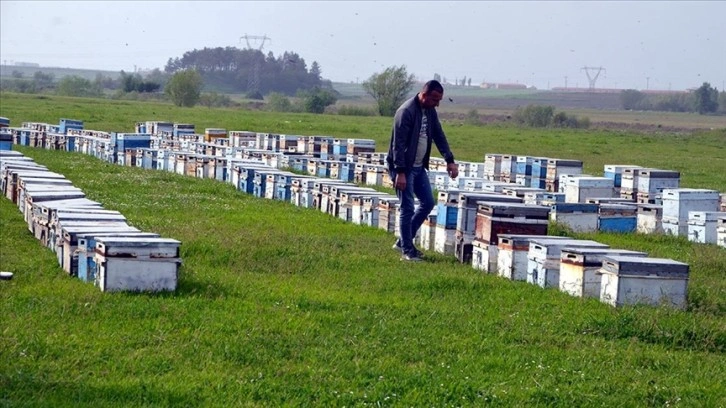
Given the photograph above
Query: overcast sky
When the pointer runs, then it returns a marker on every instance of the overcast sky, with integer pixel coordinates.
(650, 44)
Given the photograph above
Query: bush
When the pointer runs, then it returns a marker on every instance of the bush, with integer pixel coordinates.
(278, 102)
(317, 99)
(356, 111)
(256, 95)
(534, 115)
(472, 118)
(184, 88)
(215, 100)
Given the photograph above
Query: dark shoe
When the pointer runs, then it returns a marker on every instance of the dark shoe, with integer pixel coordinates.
(397, 247)
(411, 258)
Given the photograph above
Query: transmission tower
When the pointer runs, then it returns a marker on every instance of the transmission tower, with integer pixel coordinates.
(253, 79)
(592, 79)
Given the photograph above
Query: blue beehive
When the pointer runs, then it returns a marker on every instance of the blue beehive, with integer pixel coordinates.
(446, 215)
(340, 147)
(618, 218)
(181, 129)
(524, 165)
(247, 180)
(539, 169)
(67, 124)
(282, 187)
(323, 169)
(347, 171)
(6, 139)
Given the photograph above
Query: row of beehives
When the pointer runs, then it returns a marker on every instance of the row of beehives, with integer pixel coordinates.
(600, 211)
(631, 182)
(91, 243)
(503, 235)
(357, 204)
(595, 207)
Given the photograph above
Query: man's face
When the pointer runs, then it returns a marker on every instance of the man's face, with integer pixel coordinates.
(431, 99)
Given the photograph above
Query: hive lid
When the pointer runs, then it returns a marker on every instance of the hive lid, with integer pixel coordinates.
(630, 265)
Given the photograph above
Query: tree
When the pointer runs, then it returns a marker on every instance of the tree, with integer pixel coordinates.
(74, 85)
(157, 77)
(389, 88)
(184, 88)
(43, 80)
(706, 99)
(315, 70)
(630, 99)
(317, 100)
(233, 70)
(437, 77)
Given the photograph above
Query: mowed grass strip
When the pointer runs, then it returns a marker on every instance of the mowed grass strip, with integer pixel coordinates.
(284, 306)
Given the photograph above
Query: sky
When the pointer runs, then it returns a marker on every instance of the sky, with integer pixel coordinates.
(654, 45)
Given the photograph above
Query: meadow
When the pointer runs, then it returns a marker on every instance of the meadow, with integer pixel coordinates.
(285, 306)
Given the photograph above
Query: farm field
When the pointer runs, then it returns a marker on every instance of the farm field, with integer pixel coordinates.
(283, 306)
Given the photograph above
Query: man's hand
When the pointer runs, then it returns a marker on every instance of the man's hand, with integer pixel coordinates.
(453, 170)
(400, 181)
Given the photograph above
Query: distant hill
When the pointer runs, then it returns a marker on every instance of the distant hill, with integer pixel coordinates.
(58, 73)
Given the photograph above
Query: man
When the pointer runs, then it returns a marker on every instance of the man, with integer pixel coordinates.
(415, 126)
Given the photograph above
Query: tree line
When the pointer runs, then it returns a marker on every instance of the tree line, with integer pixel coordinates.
(235, 70)
(704, 100)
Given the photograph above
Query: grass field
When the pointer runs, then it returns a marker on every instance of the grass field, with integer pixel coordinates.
(283, 306)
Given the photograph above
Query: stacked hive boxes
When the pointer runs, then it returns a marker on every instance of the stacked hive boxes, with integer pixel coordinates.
(678, 202)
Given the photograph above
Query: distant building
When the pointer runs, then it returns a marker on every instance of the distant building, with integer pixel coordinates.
(27, 64)
(490, 85)
(611, 90)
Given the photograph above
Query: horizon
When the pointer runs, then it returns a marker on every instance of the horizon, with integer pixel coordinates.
(638, 44)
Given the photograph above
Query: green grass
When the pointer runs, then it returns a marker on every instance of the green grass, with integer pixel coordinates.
(699, 156)
(284, 306)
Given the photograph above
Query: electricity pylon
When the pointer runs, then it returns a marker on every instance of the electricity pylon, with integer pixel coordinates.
(253, 79)
(590, 78)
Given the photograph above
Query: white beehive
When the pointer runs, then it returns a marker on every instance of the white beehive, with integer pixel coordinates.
(650, 219)
(628, 280)
(703, 225)
(678, 202)
(579, 269)
(512, 254)
(137, 264)
(578, 189)
(543, 268)
(484, 256)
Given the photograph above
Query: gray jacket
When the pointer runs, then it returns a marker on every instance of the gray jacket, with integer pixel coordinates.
(404, 137)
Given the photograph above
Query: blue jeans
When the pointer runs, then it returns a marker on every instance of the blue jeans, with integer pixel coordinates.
(417, 183)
